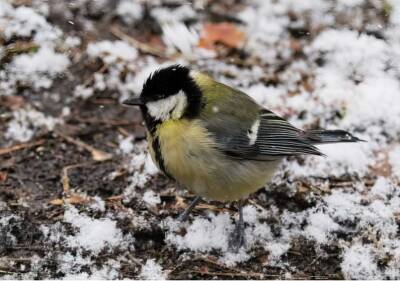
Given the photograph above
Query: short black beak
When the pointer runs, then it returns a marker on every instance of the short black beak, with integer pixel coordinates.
(133, 102)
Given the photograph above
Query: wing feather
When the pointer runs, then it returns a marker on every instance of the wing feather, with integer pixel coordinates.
(275, 138)
(231, 116)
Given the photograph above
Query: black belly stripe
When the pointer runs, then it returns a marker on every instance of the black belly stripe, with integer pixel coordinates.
(152, 126)
(159, 157)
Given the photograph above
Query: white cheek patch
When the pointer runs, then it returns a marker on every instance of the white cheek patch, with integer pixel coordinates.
(171, 107)
(253, 132)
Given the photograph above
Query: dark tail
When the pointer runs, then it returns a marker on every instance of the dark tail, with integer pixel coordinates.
(330, 136)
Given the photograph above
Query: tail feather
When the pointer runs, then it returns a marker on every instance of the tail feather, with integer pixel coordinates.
(330, 136)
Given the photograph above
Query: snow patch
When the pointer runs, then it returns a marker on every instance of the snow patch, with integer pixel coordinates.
(93, 234)
(152, 271)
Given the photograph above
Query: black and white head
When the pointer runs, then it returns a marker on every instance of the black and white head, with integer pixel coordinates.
(168, 93)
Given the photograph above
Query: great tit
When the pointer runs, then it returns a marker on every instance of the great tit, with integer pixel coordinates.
(216, 140)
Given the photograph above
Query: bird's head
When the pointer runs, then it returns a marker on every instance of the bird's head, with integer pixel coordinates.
(168, 93)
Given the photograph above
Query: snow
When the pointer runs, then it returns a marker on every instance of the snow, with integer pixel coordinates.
(25, 22)
(93, 234)
(179, 14)
(83, 92)
(319, 225)
(6, 221)
(205, 234)
(151, 198)
(126, 144)
(152, 271)
(44, 61)
(26, 122)
(36, 69)
(359, 263)
(111, 52)
(382, 187)
(178, 36)
(130, 11)
(394, 158)
(346, 158)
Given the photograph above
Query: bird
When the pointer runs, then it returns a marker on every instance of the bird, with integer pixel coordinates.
(215, 140)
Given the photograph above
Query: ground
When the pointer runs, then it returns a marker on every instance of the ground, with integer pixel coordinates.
(80, 196)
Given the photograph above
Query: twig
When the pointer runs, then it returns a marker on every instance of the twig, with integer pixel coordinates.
(111, 122)
(234, 274)
(20, 146)
(65, 178)
(180, 204)
(7, 272)
(123, 131)
(71, 198)
(207, 259)
(145, 48)
(20, 47)
(257, 205)
(203, 206)
(97, 154)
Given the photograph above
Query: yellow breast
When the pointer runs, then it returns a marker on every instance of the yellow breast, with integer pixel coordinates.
(190, 156)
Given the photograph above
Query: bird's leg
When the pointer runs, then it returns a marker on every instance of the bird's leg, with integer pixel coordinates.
(183, 217)
(237, 239)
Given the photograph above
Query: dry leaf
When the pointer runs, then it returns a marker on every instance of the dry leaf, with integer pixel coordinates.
(74, 199)
(57, 202)
(225, 33)
(19, 146)
(99, 155)
(13, 102)
(3, 176)
(115, 198)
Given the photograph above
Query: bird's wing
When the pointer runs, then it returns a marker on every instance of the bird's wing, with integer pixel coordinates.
(243, 129)
(269, 137)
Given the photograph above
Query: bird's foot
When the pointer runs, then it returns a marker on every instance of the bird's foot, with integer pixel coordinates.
(237, 239)
(184, 216)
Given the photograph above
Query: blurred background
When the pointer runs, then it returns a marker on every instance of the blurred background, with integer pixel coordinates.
(80, 197)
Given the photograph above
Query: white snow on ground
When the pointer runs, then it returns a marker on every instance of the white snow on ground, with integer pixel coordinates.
(347, 78)
(394, 158)
(93, 235)
(358, 262)
(130, 11)
(5, 231)
(38, 69)
(88, 238)
(26, 122)
(25, 22)
(152, 271)
(111, 52)
(151, 198)
(178, 36)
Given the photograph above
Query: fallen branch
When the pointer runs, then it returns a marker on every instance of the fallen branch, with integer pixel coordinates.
(70, 198)
(20, 146)
(180, 204)
(110, 122)
(65, 178)
(7, 272)
(145, 48)
(235, 274)
(97, 154)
